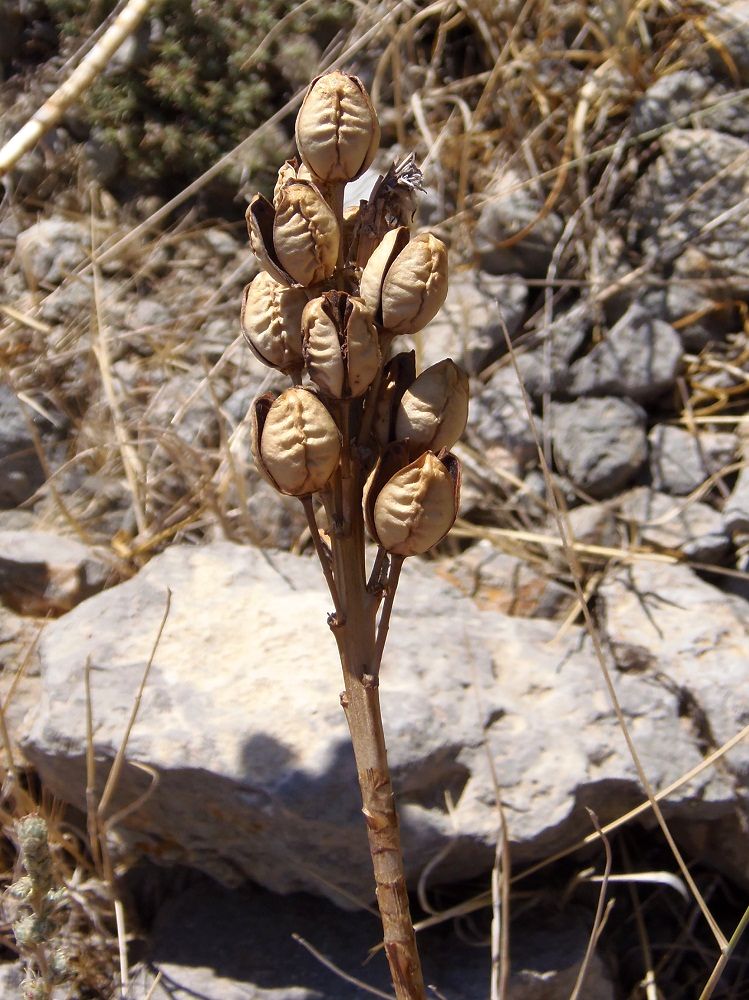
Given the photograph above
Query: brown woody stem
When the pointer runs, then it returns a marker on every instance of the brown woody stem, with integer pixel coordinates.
(357, 643)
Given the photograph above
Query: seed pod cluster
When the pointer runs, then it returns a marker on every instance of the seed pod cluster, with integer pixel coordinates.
(335, 289)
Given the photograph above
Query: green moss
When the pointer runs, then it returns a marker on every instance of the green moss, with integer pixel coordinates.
(201, 85)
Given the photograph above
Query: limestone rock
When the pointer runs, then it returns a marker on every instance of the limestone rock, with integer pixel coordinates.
(241, 721)
(42, 573)
(21, 473)
(692, 196)
(681, 461)
(639, 358)
(498, 417)
(512, 204)
(52, 249)
(691, 528)
(599, 443)
(729, 22)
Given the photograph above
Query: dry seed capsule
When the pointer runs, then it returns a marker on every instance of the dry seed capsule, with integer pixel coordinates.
(434, 410)
(405, 283)
(271, 322)
(417, 506)
(290, 171)
(337, 131)
(296, 442)
(306, 236)
(341, 345)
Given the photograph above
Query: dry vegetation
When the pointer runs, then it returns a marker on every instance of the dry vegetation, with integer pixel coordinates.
(142, 453)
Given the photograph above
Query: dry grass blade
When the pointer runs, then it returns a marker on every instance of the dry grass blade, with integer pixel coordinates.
(80, 79)
(360, 984)
(725, 957)
(598, 920)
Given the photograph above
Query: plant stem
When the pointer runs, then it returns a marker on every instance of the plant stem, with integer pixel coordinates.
(356, 638)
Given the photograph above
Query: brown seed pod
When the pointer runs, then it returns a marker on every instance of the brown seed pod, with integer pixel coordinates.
(271, 322)
(418, 505)
(337, 131)
(296, 443)
(433, 412)
(404, 283)
(306, 236)
(341, 345)
(260, 216)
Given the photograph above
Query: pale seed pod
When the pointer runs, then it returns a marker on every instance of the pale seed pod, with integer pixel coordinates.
(290, 171)
(433, 412)
(306, 236)
(398, 373)
(341, 345)
(295, 441)
(272, 322)
(418, 505)
(404, 283)
(337, 131)
(260, 217)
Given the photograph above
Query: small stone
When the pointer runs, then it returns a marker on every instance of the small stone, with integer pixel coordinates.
(46, 574)
(546, 368)
(21, 473)
(691, 197)
(497, 417)
(670, 101)
(511, 204)
(680, 461)
(640, 358)
(691, 528)
(729, 23)
(599, 443)
(51, 250)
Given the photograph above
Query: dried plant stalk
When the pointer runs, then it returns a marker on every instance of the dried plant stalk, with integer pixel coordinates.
(336, 431)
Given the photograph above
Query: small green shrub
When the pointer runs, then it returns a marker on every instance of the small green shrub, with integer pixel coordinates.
(196, 85)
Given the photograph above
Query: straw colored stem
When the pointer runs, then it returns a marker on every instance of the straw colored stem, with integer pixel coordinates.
(357, 642)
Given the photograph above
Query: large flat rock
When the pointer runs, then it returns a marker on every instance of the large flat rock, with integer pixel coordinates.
(240, 718)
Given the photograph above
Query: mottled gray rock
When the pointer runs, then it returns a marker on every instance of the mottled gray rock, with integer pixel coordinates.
(599, 443)
(470, 326)
(21, 473)
(680, 461)
(672, 99)
(591, 524)
(691, 528)
(639, 357)
(729, 22)
(692, 640)
(237, 945)
(498, 417)
(42, 573)
(52, 249)
(512, 203)
(546, 367)
(695, 195)
(241, 721)
(736, 510)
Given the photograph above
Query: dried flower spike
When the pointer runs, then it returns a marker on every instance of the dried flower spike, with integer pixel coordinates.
(434, 410)
(405, 282)
(295, 441)
(341, 346)
(337, 131)
(418, 505)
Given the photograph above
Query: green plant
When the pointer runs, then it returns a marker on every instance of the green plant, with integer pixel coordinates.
(201, 76)
(337, 288)
(37, 919)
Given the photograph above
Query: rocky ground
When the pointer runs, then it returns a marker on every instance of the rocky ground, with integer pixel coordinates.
(599, 300)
